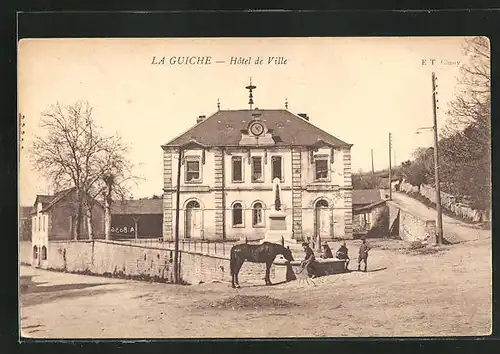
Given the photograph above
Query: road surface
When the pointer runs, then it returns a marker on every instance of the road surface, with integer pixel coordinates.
(454, 230)
(402, 294)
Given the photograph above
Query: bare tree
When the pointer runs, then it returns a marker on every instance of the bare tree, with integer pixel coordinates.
(465, 147)
(472, 103)
(114, 185)
(75, 153)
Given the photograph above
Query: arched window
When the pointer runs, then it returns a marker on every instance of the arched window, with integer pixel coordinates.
(237, 215)
(193, 204)
(44, 253)
(321, 204)
(35, 252)
(257, 215)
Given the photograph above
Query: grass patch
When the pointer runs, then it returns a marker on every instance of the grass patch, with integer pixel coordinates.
(250, 302)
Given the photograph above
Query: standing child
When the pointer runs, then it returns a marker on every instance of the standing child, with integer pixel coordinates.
(363, 254)
(343, 254)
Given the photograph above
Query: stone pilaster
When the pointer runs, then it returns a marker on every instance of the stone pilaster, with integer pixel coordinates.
(297, 194)
(219, 200)
(167, 196)
(347, 193)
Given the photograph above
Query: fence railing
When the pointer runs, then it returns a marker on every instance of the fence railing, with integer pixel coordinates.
(205, 247)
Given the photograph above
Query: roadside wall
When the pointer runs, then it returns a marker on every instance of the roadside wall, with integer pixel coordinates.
(136, 261)
(449, 202)
(412, 227)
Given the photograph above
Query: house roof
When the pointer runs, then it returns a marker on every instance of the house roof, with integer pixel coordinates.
(368, 207)
(24, 211)
(224, 128)
(137, 206)
(366, 196)
(48, 201)
(44, 199)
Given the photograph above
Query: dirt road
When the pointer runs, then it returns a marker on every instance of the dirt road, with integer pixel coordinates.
(402, 294)
(454, 230)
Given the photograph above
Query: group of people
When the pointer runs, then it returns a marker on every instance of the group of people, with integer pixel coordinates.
(342, 253)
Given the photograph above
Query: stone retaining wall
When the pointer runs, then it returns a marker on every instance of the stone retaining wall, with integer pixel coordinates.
(412, 227)
(125, 260)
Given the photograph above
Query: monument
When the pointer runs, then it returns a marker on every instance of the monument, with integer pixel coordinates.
(278, 230)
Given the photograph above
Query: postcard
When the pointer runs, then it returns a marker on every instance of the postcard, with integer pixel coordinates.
(254, 187)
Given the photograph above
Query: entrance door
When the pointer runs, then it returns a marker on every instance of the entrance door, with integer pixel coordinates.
(193, 220)
(322, 220)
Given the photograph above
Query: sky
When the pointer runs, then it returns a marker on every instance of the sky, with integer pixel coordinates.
(357, 89)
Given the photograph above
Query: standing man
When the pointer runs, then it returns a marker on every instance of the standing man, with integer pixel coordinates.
(343, 254)
(363, 254)
(309, 260)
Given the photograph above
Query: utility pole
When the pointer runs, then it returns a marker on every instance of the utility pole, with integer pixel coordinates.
(390, 173)
(439, 238)
(177, 213)
(373, 169)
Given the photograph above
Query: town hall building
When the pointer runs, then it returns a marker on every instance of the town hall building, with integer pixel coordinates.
(252, 174)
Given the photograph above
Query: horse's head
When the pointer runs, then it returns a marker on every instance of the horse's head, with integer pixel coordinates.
(287, 253)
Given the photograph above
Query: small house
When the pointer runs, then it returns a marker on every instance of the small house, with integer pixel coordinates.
(54, 218)
(370, 216)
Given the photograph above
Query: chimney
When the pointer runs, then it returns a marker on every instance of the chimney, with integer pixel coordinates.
(200, 119)
(303, 116)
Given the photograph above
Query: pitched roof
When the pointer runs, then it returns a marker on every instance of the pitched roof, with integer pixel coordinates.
(366, 196)
(368, 207)
(24, 211)
(44, 199)
(224, 128)
(138, 206)
(48, 201)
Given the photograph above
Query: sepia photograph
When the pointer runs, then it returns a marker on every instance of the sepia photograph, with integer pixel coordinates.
(254, 187)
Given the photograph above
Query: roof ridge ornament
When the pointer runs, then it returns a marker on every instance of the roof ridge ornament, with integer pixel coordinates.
(250, 88)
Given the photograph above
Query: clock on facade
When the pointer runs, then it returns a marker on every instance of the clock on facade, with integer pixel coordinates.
(257, 129)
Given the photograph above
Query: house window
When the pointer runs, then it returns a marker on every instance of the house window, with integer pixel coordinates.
(193, 173)
(35, 252)
(44, 253)
(34, 224)
(321, 171)
(257, 215)
(237, 215)
(237, 169)
(257, 169)
(39, 223)
(277, 167)
(43, 222)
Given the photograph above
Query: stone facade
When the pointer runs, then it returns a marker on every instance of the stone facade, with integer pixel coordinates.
(217, 194)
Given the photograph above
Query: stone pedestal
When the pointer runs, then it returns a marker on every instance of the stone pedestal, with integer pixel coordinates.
(278, 229)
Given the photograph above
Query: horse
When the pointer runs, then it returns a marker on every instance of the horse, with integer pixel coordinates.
(263, 253)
